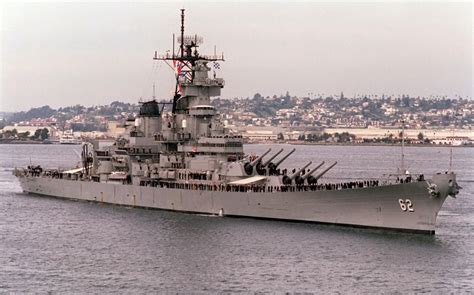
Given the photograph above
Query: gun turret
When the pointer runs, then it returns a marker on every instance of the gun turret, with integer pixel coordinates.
(314, 179)
(288, 179)
(300, 179)
(261, 166)
(248, 167)
(273, 166)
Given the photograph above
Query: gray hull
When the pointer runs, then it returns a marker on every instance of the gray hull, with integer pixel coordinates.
(371, 207)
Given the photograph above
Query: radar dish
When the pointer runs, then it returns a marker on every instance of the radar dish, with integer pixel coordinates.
(189, 39)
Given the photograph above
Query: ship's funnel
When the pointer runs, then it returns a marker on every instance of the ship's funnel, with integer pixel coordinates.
(248, 167)
(314, 179)
(288, 179)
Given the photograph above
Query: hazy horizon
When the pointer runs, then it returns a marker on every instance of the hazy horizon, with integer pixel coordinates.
(62, 54)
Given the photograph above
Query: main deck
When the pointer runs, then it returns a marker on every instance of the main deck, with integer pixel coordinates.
(404, 206)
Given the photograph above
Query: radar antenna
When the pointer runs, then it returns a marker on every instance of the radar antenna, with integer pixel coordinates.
(185, 60)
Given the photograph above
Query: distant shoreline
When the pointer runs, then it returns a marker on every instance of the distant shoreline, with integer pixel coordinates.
(24, 142)
(278, 142)
(360, 144)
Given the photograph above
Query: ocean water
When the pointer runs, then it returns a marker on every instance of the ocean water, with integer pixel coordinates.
(54, 245)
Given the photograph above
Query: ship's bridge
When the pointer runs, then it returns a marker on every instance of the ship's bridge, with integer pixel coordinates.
(224, 144)
(205, 82)
(202, 110)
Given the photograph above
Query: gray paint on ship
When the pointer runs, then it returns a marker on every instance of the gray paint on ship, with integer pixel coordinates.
(372, 207)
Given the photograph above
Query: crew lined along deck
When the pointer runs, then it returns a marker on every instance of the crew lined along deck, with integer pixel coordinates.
(37, 171)
(262, 188)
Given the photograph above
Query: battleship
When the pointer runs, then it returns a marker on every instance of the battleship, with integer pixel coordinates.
(186, 159)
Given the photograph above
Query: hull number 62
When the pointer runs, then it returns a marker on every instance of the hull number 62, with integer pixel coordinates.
(406, 205)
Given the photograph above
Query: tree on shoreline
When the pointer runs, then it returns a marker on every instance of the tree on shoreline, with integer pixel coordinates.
(41, 134)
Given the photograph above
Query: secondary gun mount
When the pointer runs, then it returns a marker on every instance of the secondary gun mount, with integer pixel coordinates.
(260, 168)
(314, 179)
(288, 179)
(248, 167)
(300, 179)
(272, 167)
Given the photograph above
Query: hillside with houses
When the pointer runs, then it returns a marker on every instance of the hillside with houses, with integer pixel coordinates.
(308, 119)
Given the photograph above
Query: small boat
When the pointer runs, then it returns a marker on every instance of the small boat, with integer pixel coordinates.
(68, 138)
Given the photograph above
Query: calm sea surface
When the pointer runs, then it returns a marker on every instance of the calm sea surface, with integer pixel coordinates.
(48, 244)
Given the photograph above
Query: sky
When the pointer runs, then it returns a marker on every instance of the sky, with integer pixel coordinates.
(68, 53)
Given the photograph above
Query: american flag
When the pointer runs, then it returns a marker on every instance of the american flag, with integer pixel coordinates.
(177, 67)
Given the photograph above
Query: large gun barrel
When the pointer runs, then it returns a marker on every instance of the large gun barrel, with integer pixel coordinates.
(284, 158)
(271, 158)
(248, 167)
(312, 171)
(259, 158)
(314, 179)
(261, 166)
(287, 180)
(299, 171)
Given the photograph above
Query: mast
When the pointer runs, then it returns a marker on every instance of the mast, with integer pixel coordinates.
(182, 32)
(184, 63)
(403, 148)
(451, 151)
